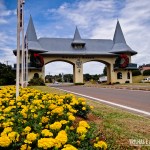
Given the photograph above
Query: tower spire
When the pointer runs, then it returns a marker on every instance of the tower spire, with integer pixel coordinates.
(31, 33)
(77, 38)
(118, 36)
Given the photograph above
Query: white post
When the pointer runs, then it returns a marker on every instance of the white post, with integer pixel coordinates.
(18, 50)
(26, 62)
(22, 64)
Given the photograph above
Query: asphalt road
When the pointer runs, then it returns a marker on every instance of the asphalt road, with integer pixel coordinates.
(132, 98)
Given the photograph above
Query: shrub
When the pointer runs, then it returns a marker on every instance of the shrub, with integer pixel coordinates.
(136, 73)
(146, 72)
(79, 83)
(36, 81)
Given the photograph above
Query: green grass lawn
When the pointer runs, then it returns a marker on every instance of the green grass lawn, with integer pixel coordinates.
(116, 125)
(137, 79)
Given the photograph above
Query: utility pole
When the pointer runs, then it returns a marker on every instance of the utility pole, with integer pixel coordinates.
(6, 62)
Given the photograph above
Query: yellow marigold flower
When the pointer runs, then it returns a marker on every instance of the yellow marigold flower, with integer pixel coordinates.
(101, 144)
(44, 119)
(5, 141)
(83, 103)
(25, 147)
(3, 134)
(19, 103)
(83, 108)
(84, 124)
(46, 132)
(69, 147)
(81, 130)
(30, 138)
(72, 110)
(52, 106)
(71, 117)
(63, 121)
(56, 126)
(14, 136)
(46, 143)
(58, 110)
(71, 128)
(2, 117)
(81, 99)
(27, 129)
(7, 130)
(7, 109)
(61, 138)
(35, 115)
(91, 107)
(7, 124)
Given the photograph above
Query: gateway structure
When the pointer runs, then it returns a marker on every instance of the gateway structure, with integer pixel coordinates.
(115, 54)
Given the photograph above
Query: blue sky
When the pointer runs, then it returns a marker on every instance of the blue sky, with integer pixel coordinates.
(94, 18)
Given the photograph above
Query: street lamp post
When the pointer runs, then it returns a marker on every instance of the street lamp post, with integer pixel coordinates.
(20, 27)
(18, 49)
(23, 58)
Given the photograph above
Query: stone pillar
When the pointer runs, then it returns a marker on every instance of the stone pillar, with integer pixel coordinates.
(112, 74)
(78, 71)
(108, 74)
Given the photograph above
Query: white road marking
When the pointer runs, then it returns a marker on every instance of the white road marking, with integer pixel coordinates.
(107, 102)
(123, 89)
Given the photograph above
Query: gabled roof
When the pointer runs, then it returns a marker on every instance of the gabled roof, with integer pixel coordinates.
(66, 46)
(77, 38)
(31, 33)
(63, 46)
(120, 45)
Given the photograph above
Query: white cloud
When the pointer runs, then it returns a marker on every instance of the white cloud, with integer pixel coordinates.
(7, 35)
(4, 13)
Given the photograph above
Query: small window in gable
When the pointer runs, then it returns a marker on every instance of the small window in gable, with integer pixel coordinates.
(78, 46)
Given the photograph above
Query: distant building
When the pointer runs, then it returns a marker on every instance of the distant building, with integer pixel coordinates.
(144, 67)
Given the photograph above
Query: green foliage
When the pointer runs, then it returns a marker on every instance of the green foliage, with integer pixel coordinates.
(36, 81)
(87, 77)
(136, 73)
(83, 110)
(7, 76)
(79, 83)
(146, 73)
(105, 71)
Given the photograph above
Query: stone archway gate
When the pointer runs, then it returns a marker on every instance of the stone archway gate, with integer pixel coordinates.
(115, 54)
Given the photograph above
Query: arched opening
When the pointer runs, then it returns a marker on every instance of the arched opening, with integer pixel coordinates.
(96, 71)
(128, 75)
(36, 75)
(59, 72)
(119, 75)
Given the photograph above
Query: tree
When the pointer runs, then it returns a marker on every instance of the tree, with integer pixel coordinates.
(136, 73)
(7, 75)
(87, 77)
(146, 72)
(105, 71)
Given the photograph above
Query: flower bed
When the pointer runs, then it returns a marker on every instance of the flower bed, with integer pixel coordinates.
(38, 120)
